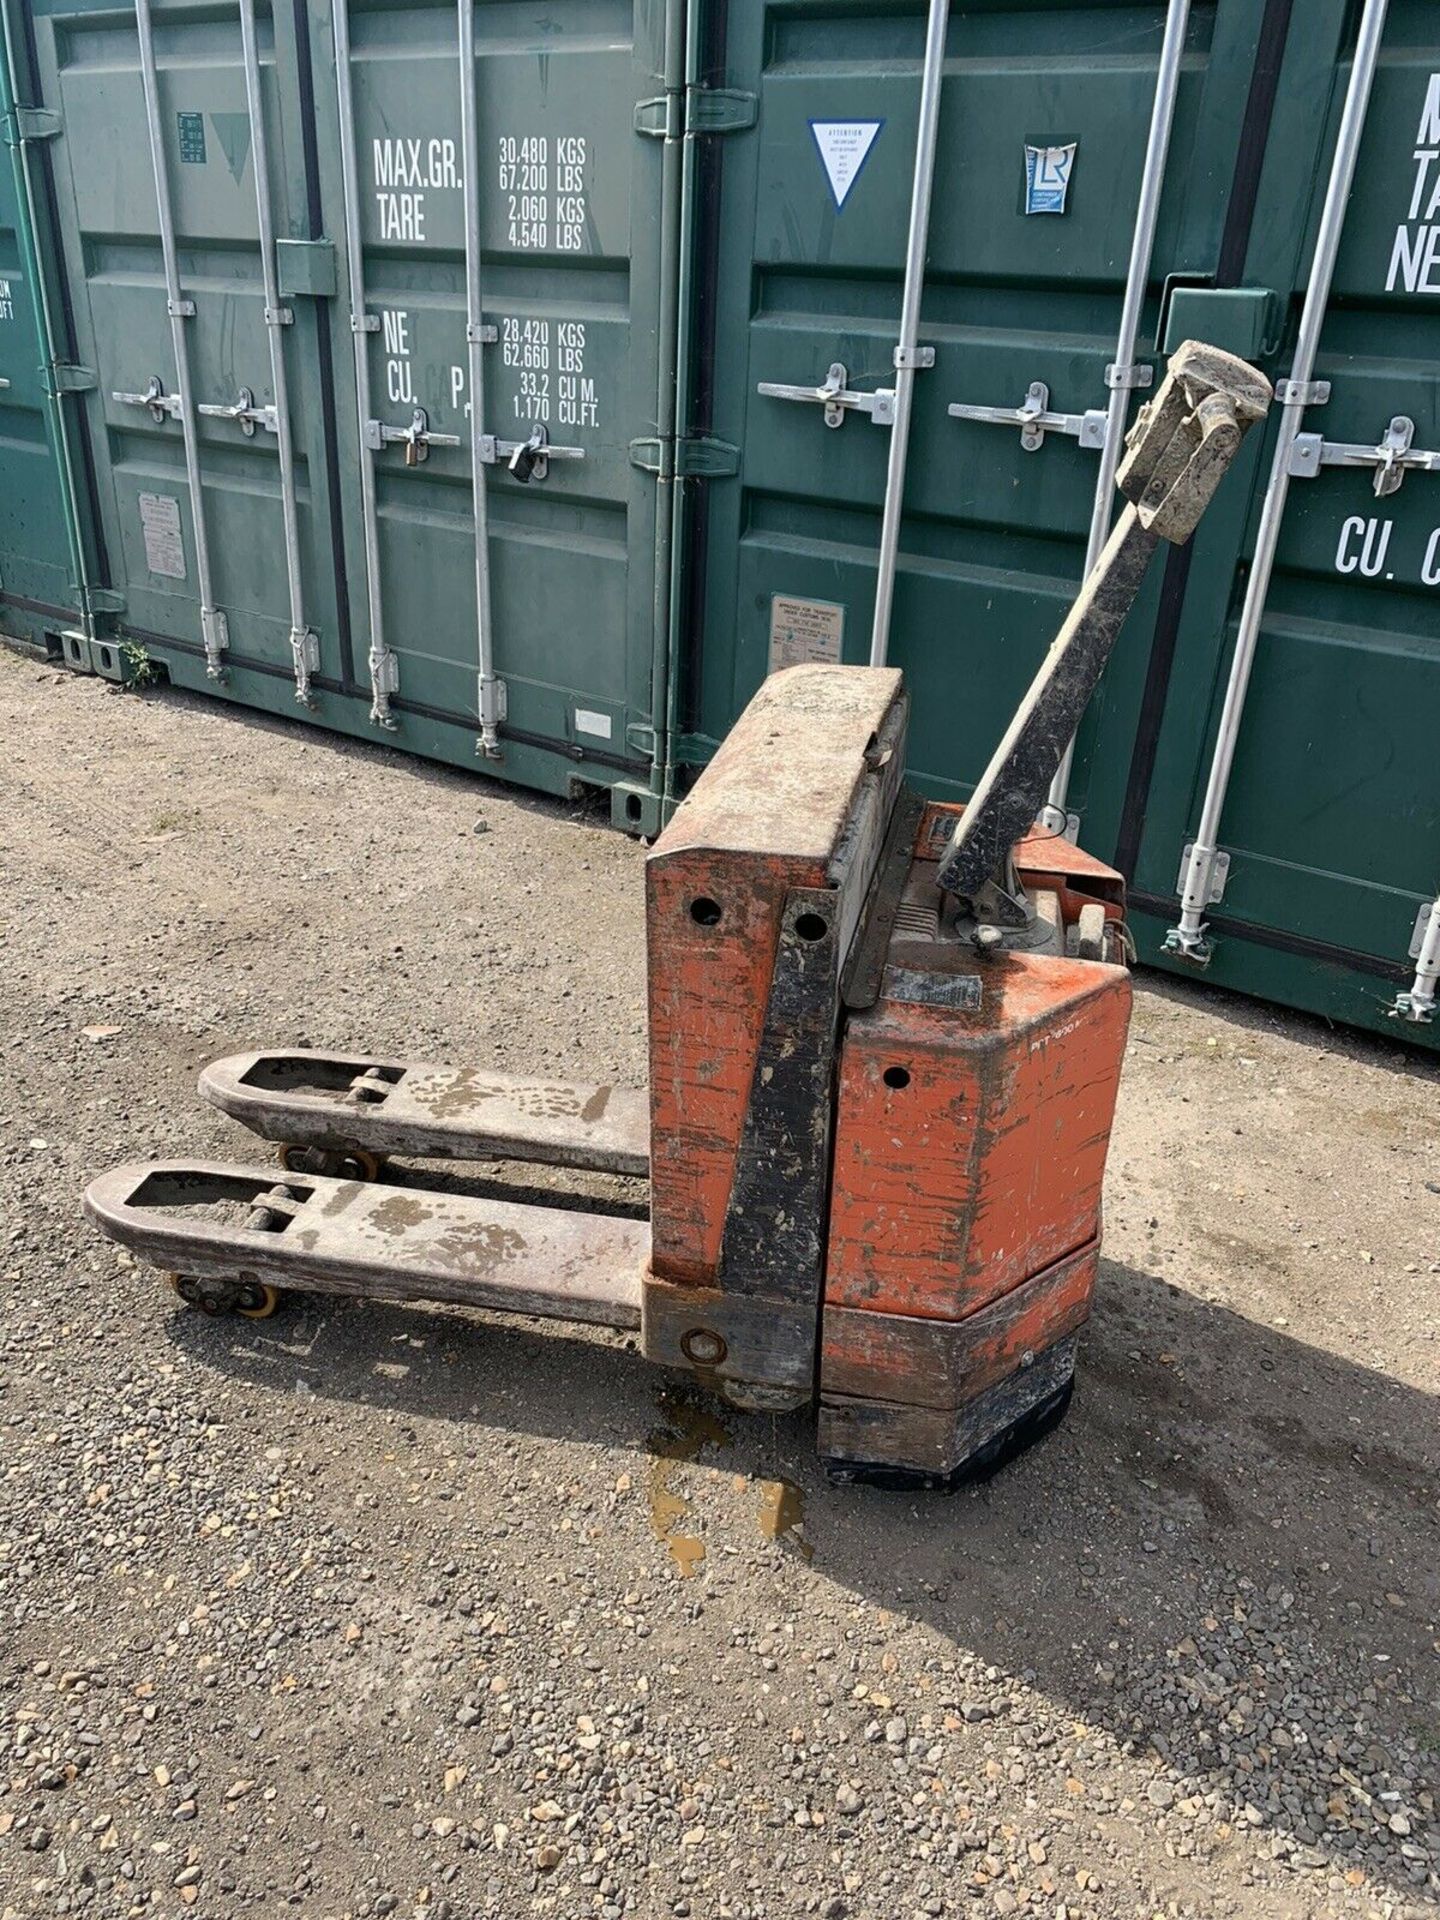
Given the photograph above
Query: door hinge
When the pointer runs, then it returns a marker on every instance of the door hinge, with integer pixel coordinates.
(705, 110)
(64, 376)
(99, 599)
(23, 124)
(699, 457)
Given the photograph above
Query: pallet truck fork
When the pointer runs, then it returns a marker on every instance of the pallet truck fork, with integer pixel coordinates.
(885, 1045)
(344, 1114)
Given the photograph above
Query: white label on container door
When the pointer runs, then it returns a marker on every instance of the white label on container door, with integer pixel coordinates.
(804, 630)
(405, 170)
(7, 301)
(844, 148)
(164, 545)
(553, 388)
(546, 190)
(1415, 255)
(596, 723)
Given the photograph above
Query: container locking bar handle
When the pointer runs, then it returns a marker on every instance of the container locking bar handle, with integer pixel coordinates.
(214, 628)
(1201, 872)
(383, 666)
(1124, 374)
(1177, 451)
(909, 355)
(304, 640)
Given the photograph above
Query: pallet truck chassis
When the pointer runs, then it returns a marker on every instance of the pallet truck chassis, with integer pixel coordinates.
(885, 1043)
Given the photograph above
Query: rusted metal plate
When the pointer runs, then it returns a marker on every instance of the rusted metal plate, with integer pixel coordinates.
(345, 1101)
(894, 1444)
(944, 1363)
(759, 1353)
(375, 1242)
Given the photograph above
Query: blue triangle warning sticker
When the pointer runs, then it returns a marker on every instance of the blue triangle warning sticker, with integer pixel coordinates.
(844, 147)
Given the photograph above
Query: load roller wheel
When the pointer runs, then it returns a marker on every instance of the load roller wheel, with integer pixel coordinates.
(251, 1299)
(258, 1300)
(349, 1163)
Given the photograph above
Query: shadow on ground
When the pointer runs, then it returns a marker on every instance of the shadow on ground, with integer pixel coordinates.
(1209, 1465)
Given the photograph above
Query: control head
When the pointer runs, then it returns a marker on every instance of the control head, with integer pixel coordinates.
(1187, 434)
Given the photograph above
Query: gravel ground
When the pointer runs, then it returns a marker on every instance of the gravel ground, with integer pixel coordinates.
(368, 1610)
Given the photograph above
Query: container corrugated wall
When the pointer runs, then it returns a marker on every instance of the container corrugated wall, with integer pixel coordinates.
(1332, 821)
(724, 192)
(191, 473)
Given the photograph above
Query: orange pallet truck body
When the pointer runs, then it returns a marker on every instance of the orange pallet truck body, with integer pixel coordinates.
(885, 1045)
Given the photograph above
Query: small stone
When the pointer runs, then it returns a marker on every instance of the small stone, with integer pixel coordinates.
(548, 1857)
(467, 1716)
(1160, 1793)
(443, 1827)
(1399, 1823)
(847, 1799)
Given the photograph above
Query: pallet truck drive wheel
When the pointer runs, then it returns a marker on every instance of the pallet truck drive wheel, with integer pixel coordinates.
(985, 1461)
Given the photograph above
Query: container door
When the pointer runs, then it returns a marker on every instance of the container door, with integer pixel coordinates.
(1042, 130)
(1332, 819)
(191, 486)
(569, 271)
(37, 575)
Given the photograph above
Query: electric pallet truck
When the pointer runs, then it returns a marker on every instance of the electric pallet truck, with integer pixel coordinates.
(885, 1042)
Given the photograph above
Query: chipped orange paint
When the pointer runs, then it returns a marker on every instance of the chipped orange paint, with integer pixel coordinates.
(923, 1362)
(987, 1165)
(767, 814)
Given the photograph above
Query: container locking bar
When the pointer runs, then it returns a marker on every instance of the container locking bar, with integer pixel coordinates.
(1395, 455)
(417, 439)
(304, 641)
(214, 627)
(384, 668)
(527, 459)
(163, 406)
(838, 398)
(1187, 940)
(1035, 420)
(246, 415)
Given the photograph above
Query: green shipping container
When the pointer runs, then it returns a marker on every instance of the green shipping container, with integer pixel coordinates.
(46, 566)
(522, 383)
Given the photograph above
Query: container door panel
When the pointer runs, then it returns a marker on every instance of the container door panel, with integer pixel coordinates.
(35, 571)
(570, 258)
(1332, 818)
(90, 66)
(807, 261)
